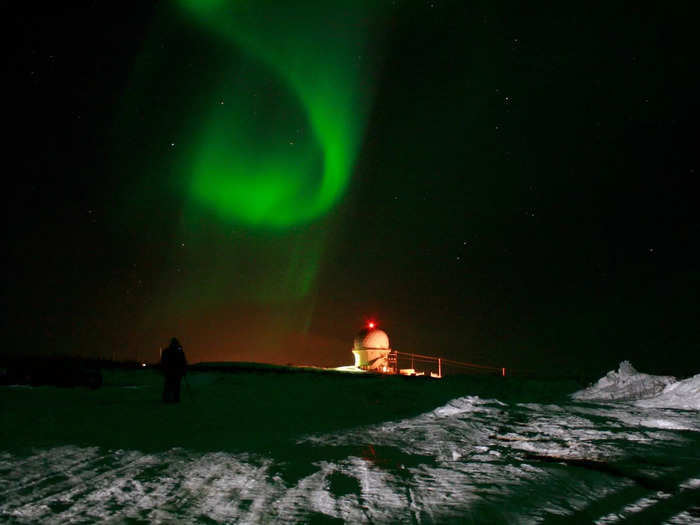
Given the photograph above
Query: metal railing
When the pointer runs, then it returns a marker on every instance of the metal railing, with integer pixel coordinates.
(440, 362)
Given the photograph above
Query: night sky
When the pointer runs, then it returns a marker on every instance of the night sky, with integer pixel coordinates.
(492, 182)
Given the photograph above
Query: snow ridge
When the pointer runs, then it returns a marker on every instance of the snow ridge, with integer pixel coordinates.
(683, 395)
(646, 390)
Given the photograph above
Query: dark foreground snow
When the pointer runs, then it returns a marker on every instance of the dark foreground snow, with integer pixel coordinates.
(473, 458)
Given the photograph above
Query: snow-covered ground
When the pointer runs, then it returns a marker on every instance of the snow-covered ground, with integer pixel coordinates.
(473, 459)
(680, 394)
(627, 384)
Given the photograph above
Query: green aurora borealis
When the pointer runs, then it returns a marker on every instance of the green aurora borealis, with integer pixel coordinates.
(506, 182)
(287, 162)
(262, 112)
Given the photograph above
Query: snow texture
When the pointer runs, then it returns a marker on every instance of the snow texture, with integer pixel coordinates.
(625, 384)
(682, 395)
(472, 460)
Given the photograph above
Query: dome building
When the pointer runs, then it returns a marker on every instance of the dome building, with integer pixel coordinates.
(371, 350)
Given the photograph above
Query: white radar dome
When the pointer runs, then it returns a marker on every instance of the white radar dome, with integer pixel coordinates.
(371, 339)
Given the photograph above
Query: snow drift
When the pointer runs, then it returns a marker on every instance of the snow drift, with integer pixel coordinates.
(682, 394)
(646, 390)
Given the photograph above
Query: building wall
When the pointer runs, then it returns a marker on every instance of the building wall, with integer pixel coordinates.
(371, 359)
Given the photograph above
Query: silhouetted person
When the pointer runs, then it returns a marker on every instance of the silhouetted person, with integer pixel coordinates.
(174, 365)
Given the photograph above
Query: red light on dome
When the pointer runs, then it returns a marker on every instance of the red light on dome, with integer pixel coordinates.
(371, 324)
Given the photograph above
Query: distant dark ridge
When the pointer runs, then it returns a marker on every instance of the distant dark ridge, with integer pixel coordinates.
(251, 366)
(39, 364)
(51, 371)
(41, 361)
(60, 370)
(234, 367)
